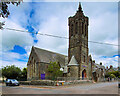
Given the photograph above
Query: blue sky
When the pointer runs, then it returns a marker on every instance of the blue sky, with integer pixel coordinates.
(52, 18)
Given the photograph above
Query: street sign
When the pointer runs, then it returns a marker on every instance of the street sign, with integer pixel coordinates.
(42, 76)
(84, 66)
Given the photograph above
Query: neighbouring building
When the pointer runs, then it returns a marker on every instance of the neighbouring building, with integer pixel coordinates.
(98, 72)
(78, 64)
(90, 67)
(111, 69)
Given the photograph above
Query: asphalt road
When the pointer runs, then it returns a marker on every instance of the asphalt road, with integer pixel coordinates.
(97, 88)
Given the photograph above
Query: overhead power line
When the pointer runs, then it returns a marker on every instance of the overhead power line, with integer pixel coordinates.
(58, 36)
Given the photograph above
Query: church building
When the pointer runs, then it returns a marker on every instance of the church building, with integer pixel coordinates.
(78, 64)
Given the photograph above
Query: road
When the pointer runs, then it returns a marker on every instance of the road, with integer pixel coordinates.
(90, 88)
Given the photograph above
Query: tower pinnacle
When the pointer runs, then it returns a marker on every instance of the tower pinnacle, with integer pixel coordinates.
(80, 8)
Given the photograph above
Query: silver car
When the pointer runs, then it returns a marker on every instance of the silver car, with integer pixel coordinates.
(10, 82)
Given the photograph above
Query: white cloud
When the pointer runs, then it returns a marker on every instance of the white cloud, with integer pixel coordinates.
(12, 58)
(16, 63)
(104, 29)
(28, 50)
(106, 61)
(54, 26)
(10, 38)
(106, 25)
(20, 14)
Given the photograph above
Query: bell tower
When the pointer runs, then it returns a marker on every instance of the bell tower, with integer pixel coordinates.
(78, 41)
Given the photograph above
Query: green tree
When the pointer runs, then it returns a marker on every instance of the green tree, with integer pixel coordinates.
(112, 76)
(119, 77)
(54, 70)
(107, 75)
(23, 75)
(0, 72)
(11, 72)
(115, 73)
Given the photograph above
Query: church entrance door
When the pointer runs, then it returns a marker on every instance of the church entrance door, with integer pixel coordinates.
(84, 74)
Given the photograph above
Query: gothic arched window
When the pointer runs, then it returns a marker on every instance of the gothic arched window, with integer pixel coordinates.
(85, 30)
(82, 27)
(84, 58)
(72, 30)
(76, 28)
(68, 70)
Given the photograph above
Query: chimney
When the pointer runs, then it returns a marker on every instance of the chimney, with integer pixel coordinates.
(93, 61)
(100, 63)
(107, 67)
(111, 66)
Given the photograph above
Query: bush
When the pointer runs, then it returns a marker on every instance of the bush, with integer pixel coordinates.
(119, 77)
(107, 75)
(112, 76)
(54, 70)
(115, 73)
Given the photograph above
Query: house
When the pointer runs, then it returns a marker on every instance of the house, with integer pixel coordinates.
(98, 72)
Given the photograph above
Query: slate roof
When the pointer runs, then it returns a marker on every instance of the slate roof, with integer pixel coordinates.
(73, 61)
(98, 66)
(48, 56)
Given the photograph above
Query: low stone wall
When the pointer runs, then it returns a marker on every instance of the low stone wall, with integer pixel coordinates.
(25, 82)
(39, 82)
(78, 82)
(53, 83)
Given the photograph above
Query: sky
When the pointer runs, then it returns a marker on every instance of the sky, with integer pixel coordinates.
(52, 18)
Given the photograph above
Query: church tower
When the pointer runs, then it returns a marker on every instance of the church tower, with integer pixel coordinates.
(78, 42)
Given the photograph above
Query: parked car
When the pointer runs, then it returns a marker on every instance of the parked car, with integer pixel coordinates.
(10, 82)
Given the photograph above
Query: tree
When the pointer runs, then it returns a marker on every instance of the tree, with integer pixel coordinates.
(115, 73)
(4, 12)
(0, 72)
(107, 75)
(1, 25)
(23, 75)
(112, 76)
(4, 7)
(54, 70)
(11, 72)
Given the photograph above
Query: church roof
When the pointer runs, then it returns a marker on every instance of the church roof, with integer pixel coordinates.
(48, 56)
(73, 61)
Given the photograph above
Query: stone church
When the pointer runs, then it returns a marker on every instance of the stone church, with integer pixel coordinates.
(78, 64)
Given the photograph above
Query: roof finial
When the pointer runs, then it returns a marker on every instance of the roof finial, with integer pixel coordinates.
(80, 8)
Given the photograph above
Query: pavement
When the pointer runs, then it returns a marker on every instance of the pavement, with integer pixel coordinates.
(88, 88)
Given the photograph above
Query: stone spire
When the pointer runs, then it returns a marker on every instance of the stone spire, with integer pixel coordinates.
(80, 8)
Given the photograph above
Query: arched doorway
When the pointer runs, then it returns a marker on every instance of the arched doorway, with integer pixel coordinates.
(94, 74)
(84, 75)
